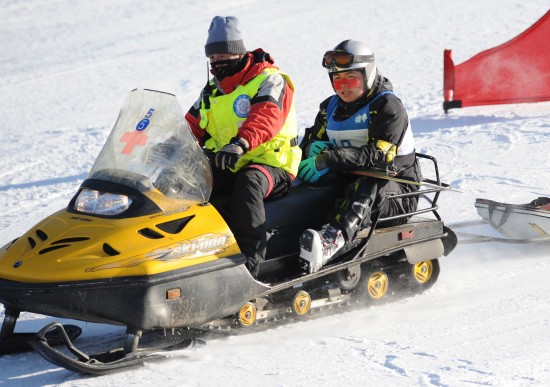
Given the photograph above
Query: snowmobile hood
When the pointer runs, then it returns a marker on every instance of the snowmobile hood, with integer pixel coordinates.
(74, 247)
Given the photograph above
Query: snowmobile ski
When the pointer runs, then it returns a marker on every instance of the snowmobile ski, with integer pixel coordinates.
(19, 341)
(102, 363)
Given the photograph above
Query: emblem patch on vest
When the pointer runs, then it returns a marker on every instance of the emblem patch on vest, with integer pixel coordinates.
(361, 118)
(241, 106)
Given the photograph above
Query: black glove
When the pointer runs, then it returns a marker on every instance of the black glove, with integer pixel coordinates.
(210, 155)
(169, 183)
(350, 158)
(229, 155)
(162, 151)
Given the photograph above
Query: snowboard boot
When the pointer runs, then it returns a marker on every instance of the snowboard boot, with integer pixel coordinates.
(318, 247)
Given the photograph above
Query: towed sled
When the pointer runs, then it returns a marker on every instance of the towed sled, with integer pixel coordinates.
(140, 245)
(515, 223)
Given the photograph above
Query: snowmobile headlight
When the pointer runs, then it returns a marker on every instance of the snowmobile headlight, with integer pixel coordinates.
(101, 203)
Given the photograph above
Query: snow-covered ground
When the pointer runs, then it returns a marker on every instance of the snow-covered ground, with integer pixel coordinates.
(67, 66)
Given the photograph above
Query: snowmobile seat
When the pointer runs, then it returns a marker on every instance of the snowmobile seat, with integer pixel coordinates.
(304, 203)
(305, 206)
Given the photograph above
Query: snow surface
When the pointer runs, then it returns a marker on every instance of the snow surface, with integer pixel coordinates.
(67, 66)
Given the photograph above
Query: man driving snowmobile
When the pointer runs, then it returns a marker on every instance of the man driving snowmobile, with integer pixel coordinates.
(364, 125)
(246, 121)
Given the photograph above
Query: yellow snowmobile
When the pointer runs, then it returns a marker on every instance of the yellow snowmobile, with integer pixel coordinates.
(140, 245)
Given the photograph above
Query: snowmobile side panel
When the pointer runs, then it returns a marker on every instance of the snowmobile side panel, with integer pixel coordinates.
(215, 290)
(396, 237)
(424, 251)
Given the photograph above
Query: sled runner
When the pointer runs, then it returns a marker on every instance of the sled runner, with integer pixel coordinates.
(516, 223)
(140, 245)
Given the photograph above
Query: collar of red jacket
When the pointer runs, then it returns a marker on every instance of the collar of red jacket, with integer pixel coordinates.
(257, 61)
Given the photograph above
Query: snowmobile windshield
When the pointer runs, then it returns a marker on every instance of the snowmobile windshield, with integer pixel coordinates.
(151, 149)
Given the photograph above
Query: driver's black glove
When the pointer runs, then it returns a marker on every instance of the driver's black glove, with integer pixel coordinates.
(229, 155)
(210, 155)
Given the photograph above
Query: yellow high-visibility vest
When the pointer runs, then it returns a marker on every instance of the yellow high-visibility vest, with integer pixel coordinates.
(226, 113)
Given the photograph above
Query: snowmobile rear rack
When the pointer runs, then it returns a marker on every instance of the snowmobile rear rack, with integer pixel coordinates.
(360, 253)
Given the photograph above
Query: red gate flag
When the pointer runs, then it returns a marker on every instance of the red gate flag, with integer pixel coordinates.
(516, 71)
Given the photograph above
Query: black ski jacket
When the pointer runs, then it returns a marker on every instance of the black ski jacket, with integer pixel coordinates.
(388, 122)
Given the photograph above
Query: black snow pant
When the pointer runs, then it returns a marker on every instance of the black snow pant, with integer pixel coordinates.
(365, 198)
(247, 190)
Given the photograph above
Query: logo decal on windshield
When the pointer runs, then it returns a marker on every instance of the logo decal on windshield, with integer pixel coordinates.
(132, 139)
(144, 123)
(137, 137)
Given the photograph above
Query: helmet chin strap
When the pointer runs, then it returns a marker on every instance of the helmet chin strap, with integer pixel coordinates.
(369, 83)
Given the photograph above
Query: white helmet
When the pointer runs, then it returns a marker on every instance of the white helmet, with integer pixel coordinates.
(350, 55)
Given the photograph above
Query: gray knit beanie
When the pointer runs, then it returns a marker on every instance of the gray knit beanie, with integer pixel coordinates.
(224, 37)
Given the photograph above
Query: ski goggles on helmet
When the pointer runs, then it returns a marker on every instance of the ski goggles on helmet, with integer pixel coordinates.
(344, 60)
